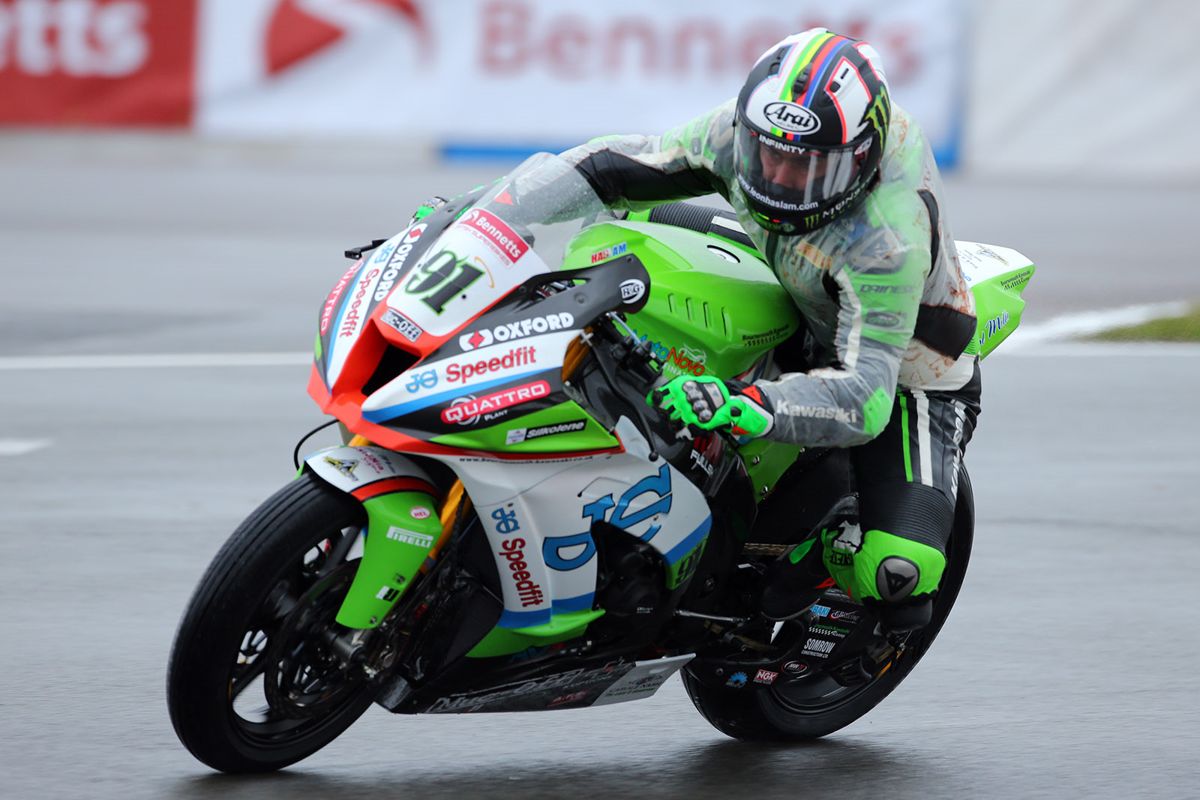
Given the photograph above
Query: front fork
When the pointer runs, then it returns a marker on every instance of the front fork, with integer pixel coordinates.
(404, 527)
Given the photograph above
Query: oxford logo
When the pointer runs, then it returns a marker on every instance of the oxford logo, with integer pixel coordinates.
(792, 118)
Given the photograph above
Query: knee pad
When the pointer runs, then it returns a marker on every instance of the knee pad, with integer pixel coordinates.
(881, 566)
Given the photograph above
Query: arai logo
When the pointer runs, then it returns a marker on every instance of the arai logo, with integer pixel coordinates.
(791, 117)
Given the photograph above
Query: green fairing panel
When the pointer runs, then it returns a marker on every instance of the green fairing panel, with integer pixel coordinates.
(506, 641)
(707, 314)
(997, 277)
(766, 461)
(565, 428)
(401, 530)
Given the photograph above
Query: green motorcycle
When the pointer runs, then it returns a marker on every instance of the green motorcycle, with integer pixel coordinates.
(512, 527)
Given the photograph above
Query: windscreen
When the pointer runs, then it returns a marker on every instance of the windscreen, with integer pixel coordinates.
(517, 229)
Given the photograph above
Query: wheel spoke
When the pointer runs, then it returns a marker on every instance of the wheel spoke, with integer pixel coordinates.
(337, 553)
(239, 684)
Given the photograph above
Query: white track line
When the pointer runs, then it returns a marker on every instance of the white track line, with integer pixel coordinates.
(1047, 339)
(1087, 323)
(19, 447)
(156, 361)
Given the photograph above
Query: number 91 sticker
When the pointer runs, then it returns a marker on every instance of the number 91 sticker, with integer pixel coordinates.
(463, 275)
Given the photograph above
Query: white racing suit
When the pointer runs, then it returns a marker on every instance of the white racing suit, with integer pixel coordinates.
(883, 297)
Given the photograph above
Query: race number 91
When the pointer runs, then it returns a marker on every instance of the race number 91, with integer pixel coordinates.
(441, 277)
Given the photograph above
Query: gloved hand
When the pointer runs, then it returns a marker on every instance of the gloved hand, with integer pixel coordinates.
(709, 403)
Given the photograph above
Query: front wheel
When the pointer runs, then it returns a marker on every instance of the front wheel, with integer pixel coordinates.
(821, 706)
(253, 684)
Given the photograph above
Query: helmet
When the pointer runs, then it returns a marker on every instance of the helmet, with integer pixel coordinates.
(810, 129)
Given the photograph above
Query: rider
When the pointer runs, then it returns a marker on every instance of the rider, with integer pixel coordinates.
(836, 185)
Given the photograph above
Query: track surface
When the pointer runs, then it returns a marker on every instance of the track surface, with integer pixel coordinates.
(1066, 670)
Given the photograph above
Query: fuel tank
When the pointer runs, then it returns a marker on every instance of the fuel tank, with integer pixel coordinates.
(715, 307)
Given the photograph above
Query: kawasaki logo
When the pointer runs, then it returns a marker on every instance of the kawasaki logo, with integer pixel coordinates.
(516, 330)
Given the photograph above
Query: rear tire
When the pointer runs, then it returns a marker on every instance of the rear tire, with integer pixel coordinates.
(766, 715)
(247, 638)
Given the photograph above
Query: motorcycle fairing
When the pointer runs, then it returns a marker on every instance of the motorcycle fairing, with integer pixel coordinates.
(539, 519)
(997, 277)
(402, 525)
(497, 371)
(591, 685)
(366, 472)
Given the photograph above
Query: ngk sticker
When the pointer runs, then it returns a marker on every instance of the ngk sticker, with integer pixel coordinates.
(516, 330)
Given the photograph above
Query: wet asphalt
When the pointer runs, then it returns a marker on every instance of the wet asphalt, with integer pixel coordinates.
(1066, 670)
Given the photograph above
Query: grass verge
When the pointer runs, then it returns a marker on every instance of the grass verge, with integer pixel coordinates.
(1168, 329)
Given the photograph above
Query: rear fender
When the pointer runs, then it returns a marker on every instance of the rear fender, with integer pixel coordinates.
(402, 525)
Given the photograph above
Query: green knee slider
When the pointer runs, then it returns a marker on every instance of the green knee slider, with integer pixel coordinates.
(880, 565)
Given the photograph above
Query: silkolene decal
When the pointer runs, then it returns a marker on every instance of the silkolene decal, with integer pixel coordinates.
(478, 260)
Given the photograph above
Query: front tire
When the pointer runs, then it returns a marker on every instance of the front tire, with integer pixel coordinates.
(770, 715)
(251, 685)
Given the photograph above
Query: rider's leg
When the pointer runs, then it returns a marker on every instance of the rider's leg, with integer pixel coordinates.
(908, 485)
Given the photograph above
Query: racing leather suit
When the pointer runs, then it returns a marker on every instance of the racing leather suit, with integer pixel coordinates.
(883, 296)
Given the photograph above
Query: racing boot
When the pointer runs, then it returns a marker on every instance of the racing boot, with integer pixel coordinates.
(798, 578)
(893, 575)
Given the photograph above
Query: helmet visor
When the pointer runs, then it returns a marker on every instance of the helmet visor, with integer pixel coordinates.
(795, 179)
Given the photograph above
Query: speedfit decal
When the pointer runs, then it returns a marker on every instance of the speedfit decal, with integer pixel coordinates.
(517, 357)
(516, 330)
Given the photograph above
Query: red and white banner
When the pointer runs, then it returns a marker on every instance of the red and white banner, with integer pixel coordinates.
(522, 70)
(462, 71)
(97, 62)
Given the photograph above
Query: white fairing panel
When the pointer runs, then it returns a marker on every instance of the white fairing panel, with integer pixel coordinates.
(497, 257)
(979, 262)
(437, 382)
(538, 519)
(352, 468)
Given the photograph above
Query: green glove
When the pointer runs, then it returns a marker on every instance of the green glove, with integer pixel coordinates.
(708, 403)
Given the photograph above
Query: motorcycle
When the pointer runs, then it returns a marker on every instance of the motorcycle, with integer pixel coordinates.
(511, 526)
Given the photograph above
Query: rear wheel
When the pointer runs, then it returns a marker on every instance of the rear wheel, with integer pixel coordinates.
(254, 683)
(820, 705)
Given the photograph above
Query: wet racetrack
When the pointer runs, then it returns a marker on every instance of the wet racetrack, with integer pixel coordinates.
(1066, 670)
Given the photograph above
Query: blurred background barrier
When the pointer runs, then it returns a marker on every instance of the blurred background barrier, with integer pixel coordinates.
(1080, 88)
(475, 77)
